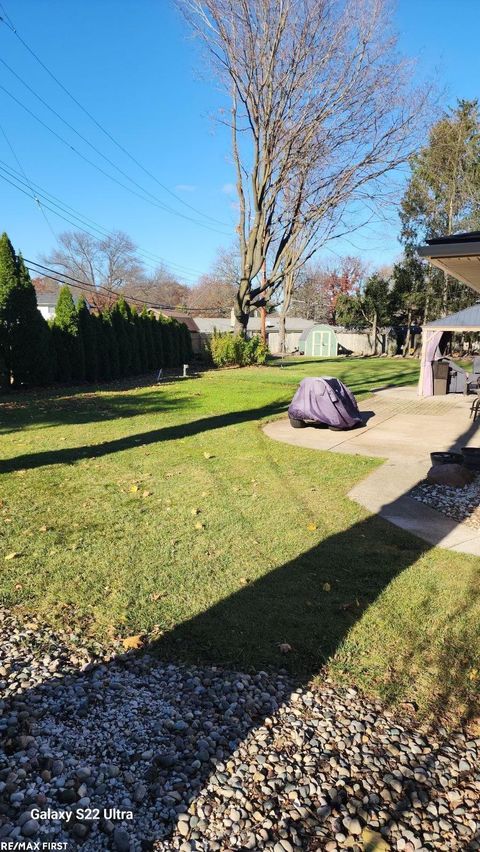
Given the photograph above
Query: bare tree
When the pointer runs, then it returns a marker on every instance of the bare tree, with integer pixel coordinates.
(109, 262)
(321, 111)
(214, 294)
(162, 288)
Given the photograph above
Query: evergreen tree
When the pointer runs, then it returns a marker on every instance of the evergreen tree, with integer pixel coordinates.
(8, 285)
(103, 348)
(24, 334)
(113, 346)
(159, 343)
(135, 343)
(371, 308)
(187, 349)
(88, 333)
(69, 347)
(120, 315)
(164, 329)
(142, 341)
(443, 197)
(149, 344)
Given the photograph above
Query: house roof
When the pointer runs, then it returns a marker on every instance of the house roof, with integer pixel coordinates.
(293, 324)
(47, 292)
(185, 318)
(468, 319)
(456, 254)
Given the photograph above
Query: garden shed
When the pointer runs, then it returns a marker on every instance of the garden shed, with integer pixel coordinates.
(319, 341)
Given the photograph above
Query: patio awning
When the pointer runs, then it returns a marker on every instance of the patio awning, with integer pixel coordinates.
(458, 255)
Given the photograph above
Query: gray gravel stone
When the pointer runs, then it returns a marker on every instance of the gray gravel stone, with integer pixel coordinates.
(208, 759)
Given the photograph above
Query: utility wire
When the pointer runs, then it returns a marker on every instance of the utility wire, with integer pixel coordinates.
(94, 147)
(102, 231)
(92, 288)
(33, 195)
(65, 219)
(152, 201)
(9, 23)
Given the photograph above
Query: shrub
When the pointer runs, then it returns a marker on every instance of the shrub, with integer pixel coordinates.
(255, 351)
(228, 350)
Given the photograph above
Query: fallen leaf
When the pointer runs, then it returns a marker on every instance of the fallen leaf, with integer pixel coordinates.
(132, 642)
(473, 674)
(311, 527)
(199, 526)
(244, 581)
(373, 841)
(284, 648)
(43, 528)
(195, 511)
(133, 489)
(146, 493)
(15, 555)
(327, 587)
(155, 596)
(208, 456)
(18, 587)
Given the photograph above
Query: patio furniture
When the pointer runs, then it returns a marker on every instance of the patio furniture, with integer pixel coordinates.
(440, 378)
(475, 406)
(457, 377)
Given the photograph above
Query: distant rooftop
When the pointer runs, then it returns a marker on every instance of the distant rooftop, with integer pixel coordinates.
(469, 318)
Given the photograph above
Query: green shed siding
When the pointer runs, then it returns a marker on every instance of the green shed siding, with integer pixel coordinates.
(320, 342)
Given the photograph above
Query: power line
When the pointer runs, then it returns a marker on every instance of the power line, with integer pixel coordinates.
(78, 284)
(65, 219)
(102, 231)
(9, 23)
(152, 200)
(35, 198)
(94, 147)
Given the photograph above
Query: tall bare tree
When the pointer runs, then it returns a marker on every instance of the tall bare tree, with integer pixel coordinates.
(109, 262)
(321, 110)
(161, 288)
(214, 294)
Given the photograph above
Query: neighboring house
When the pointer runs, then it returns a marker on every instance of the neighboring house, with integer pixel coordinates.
(187, 320)
(294, 326)
(47, 295)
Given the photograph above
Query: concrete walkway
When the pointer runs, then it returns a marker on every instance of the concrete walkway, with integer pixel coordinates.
(402, 429)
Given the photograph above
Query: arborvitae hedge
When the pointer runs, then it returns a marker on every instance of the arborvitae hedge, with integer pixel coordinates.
(78, 345)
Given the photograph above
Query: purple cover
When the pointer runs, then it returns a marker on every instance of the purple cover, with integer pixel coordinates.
(325, 400)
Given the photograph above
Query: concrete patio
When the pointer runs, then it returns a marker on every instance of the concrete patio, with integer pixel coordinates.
(403, 429)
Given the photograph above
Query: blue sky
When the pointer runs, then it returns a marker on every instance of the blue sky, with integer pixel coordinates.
(132, 64)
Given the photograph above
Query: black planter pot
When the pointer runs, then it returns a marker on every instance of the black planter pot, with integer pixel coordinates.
(471, 457)
(446, 458)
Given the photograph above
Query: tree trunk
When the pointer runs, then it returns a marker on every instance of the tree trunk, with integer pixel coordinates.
(281, 333)
(263, 324)
(242, 315)
(426, 308)
(375, 332)
(445, 295)
(406, 345)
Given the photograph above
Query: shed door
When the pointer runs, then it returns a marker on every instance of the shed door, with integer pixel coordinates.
(321, 344)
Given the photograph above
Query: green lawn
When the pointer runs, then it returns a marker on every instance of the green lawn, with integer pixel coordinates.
(165, 510)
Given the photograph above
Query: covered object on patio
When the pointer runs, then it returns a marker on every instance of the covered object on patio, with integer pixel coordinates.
(457, 255)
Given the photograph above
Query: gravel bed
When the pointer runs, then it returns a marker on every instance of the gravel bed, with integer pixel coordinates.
(209, 759)
(460, 504)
